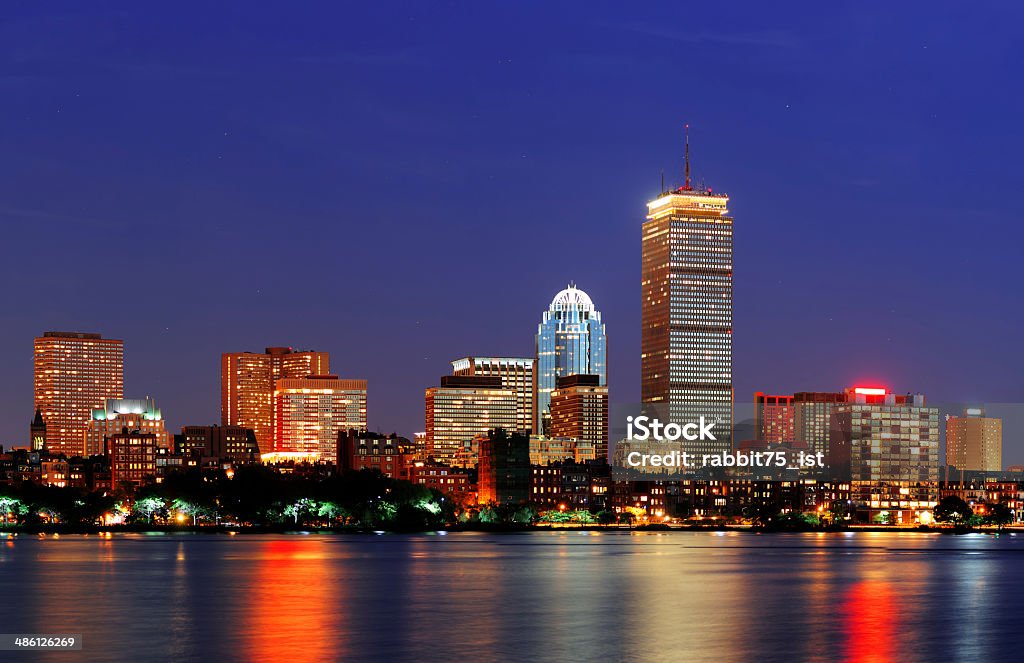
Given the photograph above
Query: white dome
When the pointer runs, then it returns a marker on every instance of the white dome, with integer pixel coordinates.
(572, 298)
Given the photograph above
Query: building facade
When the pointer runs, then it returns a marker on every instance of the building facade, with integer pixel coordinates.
(247, 385)
(686, 311)
(74, 373)
(132, 458)
(118, 414)
(974, 442)
(516, 374)
(462, 408)
(391, 455)
(310, 412)
(571, 339)
(774, 418)
(235, 443)
(579, 410)
(504, 472)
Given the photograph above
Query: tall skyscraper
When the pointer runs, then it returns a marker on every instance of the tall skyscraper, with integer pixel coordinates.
(247, 385)
(516, 373)
(571, 340)
(686, 309)
(974, 441)
(463, 407)
(579, 410)
(74, 373)
(309, 413)
(136, 414)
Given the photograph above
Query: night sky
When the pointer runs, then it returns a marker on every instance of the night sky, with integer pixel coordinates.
(402, 186)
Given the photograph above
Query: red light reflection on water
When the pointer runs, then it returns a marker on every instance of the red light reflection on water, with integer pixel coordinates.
(871, 620)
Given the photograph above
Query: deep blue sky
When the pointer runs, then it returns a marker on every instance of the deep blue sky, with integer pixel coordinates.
(407, 184)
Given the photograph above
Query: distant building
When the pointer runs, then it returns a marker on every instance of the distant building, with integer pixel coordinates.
(516, 374)
(310, 412)
(37, 432)
(74, 373)
(504, 472)
(974, 442)
(247, 385)
(132, 458)
(451, 481)
(579, 410)
(571, 339)
(117, 414)
(391, 455)
(686, 311)
(462, 408)
(774, 418)
(812, 418)
(235, 443)
(887, 446)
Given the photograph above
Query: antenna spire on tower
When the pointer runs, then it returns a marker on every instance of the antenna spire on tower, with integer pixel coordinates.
(687, 129)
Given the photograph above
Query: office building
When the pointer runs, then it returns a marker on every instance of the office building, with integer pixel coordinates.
(247, 385)
(579, 410)
(516, 374)
(463, 407)
(235, 443)
(974, 442)
(118, 414)
(310, 412)
(686, 311)
(774, 419)
(504, 472)
(571, 339)
(812, 418)
(74, 373)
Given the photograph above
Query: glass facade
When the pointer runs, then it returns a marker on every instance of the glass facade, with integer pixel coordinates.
(570, 340)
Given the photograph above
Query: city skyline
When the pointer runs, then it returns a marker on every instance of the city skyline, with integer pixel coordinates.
(811, 191)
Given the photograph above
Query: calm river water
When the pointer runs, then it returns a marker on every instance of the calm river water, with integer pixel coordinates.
(565, 596)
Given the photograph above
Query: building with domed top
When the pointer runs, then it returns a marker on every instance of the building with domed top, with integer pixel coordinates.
(570, 340)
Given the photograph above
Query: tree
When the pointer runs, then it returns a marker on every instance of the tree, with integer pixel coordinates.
(999, 515)
(148, 506)
(952, 509)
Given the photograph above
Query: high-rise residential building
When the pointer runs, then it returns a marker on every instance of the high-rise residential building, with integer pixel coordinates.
(463, 407)
(974, 442)
(247, 385)
(74, 373)
(812, 417)
(579, 410)
(516, 374)
(504, 472)
(120, 414)
(132, 458)
(235, 443)
(309, 413)
(773, 418)
(571, 340)
(686, 310)
(887, 446)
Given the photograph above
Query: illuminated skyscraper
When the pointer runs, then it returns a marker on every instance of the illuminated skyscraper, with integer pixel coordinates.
(247, 385)
(309, 413)
(974, 441)
(74, 373)
(570, 340)
(516, 373)
(686, 309)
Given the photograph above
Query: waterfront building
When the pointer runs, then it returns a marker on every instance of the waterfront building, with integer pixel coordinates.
(235, 443)
(516, 374)
(571, 339)
(974, 442)
(74, 372)
(774, 418)
(686, 310)
(118, 414)
(247, 385)
(309, 413)
(463, 407)
(504, 471)
(391, 455)
(132, 458)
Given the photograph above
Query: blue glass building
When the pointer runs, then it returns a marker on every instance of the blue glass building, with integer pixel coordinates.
(571, 340)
